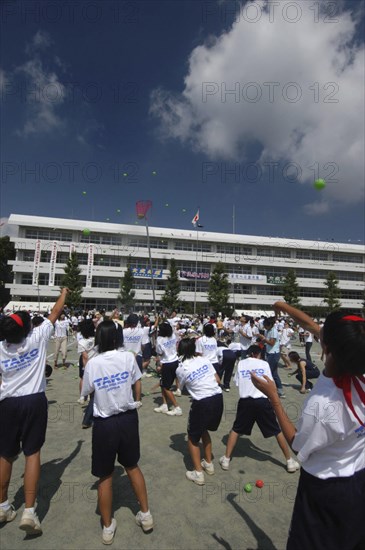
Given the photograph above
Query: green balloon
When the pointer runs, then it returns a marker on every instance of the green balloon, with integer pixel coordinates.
(118, 210)
(319, 184)
(154, 173)
(84, 192)
(125, 174)
(86, 231)
(166, 204)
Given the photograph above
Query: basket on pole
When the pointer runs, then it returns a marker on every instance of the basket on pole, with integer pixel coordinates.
(142, 207)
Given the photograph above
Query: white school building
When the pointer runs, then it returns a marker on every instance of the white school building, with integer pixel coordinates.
(255, 265)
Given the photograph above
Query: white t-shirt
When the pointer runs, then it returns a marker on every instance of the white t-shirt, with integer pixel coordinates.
(88, 345)
(308, 337)
(242, 377)
(208, 348)
(23, 365)
(61, 328)
(243, 340)
(330, 441)
(166, 348)
(134, 339)
(285, 337)
(198, 376)
(111, 375)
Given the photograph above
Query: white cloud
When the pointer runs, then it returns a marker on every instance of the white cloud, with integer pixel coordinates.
(317, 208)
(326, 124)
(45, 92)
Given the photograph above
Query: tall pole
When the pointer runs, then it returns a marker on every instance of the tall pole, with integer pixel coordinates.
(234, 220)
(196, 266)
(150, 258)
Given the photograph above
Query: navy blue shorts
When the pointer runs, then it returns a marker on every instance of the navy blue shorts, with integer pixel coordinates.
(115, 437)
(328, 513)
(205, 415)
(23, 423)
(249, 411)
(147, 351)
(81, 367)
(168, 374)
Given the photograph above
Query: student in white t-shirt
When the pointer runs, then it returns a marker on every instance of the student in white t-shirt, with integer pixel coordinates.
(199, 377)
(329, 509)
(114, 375)
(135, 339)
(253, 406)
(23, 406)
(167, 363)
(207, 346)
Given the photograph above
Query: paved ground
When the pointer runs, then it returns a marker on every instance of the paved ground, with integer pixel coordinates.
(217, 515)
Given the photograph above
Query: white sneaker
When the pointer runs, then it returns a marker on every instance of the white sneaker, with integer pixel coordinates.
(175, 411)
(177, 392)
(196, 477)
(208, 467)
(7, 514)
(145, 522)
(162, 409)
(81, 400)
(109, 532)
(30, 523)
(224, 462)
(292, 465)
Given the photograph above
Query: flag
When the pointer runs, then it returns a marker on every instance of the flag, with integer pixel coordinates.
(195, 219)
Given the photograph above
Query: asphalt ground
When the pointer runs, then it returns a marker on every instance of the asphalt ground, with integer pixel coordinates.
(218, 515)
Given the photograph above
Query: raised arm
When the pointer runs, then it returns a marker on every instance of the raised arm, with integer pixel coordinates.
(58, 307)
(299, 317)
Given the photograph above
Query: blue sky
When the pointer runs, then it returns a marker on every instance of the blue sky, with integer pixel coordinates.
(201, 103)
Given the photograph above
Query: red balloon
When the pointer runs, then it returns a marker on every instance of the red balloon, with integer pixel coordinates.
(259, 483)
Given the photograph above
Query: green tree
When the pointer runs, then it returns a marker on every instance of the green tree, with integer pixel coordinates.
(170, 299)
(332, 294)
(7, 252)
(126, 296)
(290, 289)
(72, 280)
(218, 290)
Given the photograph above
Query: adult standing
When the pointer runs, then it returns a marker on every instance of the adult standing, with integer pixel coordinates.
(62, 326)
(245, 335)
(23, 406)
(308, 343)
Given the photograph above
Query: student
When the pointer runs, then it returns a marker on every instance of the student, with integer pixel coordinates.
(305, 370)
(329, 509)
(207, 345)
(199, 377)
(85, 349)
(253, 406)
(23, 406)
(167, 356)
(111, 375)
(135, 339)
(227, 360)
(272, 342)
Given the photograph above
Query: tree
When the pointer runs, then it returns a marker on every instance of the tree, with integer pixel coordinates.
(332, 294)
(72, 280)
(218, 290)
(170, 299)
(126, 296)
(7, 252)
(291, 289)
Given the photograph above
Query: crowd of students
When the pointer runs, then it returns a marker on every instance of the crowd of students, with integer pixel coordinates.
(200, 355)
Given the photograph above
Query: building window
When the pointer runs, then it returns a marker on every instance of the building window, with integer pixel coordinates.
(48, 234)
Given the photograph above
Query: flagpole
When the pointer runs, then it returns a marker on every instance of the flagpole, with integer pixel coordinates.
(196, 265)
(151, 268)
(234, 220)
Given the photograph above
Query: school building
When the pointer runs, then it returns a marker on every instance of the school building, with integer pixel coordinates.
(255, 265)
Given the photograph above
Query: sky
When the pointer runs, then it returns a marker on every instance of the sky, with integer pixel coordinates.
(235, 108)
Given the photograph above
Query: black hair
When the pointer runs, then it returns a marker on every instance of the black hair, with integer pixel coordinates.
(345, 340)
(87, 328)
(294, 356)
(254, 350)
(106, 337)
(186, 348)
(165, 329)
(11, 331)
(269, 322)
(208, 330)
(37, 320)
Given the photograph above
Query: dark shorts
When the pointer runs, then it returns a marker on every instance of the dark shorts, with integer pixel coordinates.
(168, 374)
(249, 411)
(23, 423)
(81, 367)
(328, 513)
(115, 437)
(147, 351)
(205, 415)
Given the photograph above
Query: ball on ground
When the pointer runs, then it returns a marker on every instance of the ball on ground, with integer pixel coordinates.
(259, 483)
(248, 488)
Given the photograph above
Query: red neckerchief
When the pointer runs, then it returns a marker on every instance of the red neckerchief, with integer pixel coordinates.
(344, 383)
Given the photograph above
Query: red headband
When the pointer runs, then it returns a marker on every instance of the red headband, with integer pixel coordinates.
(17, 319)
(353, 318)
(344, 383)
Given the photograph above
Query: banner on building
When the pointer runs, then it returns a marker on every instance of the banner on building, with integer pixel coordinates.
(90, 265)
(245, 277)
(52, 263)
(278, 280)
(37, 260)
(146, 272)
(194, 275)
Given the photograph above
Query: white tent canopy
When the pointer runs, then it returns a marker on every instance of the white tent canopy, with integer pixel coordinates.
(253, 312)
